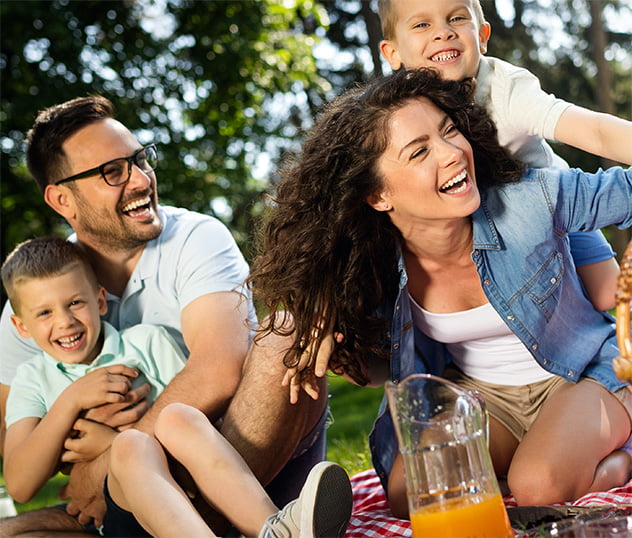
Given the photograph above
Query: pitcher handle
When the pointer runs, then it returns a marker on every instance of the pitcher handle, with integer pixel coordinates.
(480, 401)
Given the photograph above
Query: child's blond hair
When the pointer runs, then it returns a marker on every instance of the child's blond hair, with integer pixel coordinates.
(387, 16)
(43, 257)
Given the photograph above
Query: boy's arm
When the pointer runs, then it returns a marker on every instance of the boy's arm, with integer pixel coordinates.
(32, 454)
(595, 132)
(33, 446)
(600, 282)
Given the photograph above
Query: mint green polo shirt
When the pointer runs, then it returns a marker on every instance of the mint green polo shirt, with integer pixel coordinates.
(40, 381)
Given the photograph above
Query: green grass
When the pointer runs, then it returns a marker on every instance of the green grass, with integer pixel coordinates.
(353, 408)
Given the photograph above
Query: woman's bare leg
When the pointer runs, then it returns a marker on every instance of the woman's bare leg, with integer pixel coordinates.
(576, 431)
(612, 471)
(502, 446)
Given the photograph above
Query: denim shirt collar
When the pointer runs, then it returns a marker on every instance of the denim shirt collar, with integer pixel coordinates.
(484, 229)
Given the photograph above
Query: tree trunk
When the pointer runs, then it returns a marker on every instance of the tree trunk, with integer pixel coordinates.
(598, 40)
(374, 33)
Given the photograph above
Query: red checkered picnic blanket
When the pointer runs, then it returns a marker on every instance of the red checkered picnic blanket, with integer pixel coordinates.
(372, 518)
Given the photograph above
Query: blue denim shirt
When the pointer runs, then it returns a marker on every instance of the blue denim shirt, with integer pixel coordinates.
(522, 255)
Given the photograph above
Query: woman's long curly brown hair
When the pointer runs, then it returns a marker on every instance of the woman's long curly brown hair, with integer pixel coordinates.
(325, 256)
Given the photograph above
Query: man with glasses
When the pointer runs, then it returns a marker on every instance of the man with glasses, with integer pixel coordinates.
(167, 266)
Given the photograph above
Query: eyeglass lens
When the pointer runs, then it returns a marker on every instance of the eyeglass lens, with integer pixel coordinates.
(119, 171)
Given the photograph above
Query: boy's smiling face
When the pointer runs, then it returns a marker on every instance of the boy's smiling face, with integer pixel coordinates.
(62, 314)
(443, 34)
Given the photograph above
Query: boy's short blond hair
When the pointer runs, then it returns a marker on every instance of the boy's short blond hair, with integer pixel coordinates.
(43, 257)
(388, 20)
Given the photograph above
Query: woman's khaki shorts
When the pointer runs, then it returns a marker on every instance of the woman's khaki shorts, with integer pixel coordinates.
(516, 407)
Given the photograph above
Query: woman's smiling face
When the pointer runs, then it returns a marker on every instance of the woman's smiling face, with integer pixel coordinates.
(427, 167)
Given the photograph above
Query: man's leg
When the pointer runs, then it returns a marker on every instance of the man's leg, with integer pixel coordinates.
(265, 428)
(312, 450)
(42, 523)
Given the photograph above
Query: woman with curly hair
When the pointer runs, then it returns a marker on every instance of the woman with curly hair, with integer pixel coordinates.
(403, 239)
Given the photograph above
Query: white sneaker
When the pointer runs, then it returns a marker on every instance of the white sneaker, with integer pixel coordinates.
(322, 509)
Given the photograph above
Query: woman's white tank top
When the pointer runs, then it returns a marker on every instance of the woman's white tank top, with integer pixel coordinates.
(481, 345)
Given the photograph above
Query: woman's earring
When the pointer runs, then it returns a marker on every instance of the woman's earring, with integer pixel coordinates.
(387, 207)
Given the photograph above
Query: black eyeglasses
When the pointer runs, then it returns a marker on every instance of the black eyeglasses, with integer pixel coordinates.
(118, 171)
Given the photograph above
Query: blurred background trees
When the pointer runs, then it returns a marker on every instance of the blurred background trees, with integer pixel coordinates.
(225, 88)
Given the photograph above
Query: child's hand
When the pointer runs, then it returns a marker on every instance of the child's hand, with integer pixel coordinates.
(89, 440)
(104, 385)
(125, 414)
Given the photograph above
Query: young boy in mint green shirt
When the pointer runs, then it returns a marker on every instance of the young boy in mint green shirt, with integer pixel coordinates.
(85, 362)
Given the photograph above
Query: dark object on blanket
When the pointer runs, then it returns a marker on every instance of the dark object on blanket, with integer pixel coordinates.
(623, 364)
(530, 517)
(546, 521)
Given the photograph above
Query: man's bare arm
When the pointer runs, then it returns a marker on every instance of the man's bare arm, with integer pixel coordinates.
(215, 331)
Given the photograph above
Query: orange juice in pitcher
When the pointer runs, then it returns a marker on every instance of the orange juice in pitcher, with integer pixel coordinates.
(475, 516)
(450, 482)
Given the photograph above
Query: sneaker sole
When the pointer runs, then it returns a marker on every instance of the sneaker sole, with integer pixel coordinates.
(328, 484)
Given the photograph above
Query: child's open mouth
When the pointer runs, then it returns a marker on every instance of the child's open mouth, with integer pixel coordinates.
(445, 56)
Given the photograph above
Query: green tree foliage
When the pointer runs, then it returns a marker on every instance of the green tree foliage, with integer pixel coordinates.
(225, 86)
(214, 84)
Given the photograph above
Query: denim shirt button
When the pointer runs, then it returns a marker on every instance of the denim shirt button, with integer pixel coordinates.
(476, 253)
(395, 346)
(571, 373)
(553, 280)
(534, 347)
(544, 361)
(510, 317)
(486, 282)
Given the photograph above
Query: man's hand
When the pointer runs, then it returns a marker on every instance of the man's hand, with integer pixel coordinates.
(85, 491)
(89, 440)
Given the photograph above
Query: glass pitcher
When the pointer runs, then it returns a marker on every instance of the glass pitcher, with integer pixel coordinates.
(450, 482)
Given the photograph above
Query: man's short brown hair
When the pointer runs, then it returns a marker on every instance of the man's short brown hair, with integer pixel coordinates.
(45, 157)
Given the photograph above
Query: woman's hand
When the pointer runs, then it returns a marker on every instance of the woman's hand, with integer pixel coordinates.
(303, 376)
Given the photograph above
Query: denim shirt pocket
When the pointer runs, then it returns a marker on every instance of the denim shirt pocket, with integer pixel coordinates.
(543, 288)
